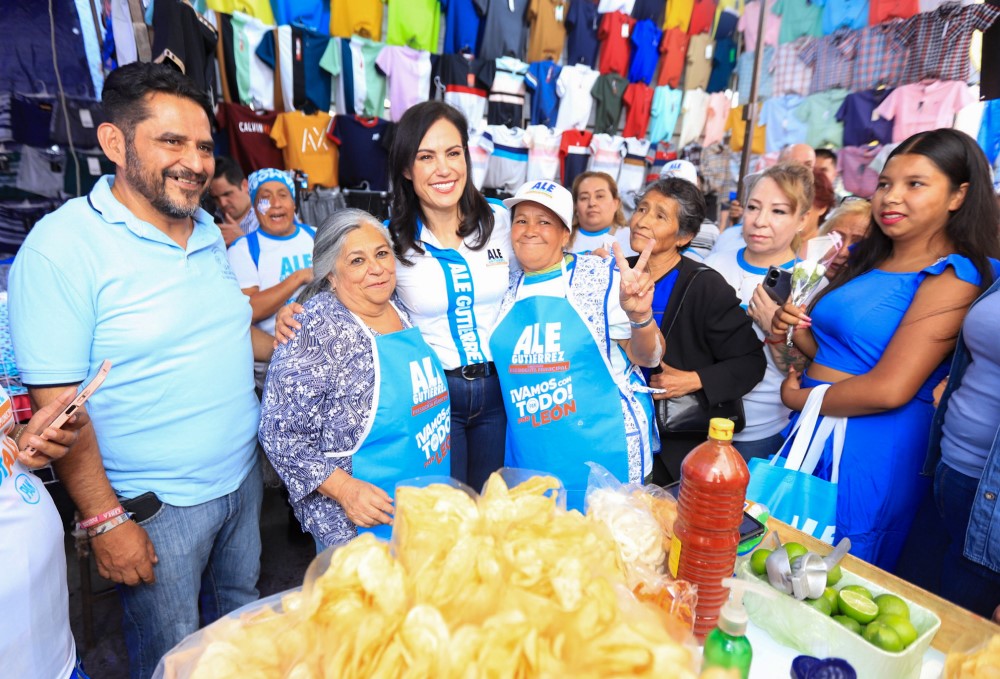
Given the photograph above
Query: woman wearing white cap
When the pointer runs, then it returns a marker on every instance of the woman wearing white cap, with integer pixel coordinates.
(572, 331)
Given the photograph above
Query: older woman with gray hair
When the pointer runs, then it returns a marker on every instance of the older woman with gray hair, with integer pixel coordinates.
(357, 401)
(711, 348)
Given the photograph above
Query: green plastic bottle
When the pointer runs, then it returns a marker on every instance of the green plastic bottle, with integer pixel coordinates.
(726, 646)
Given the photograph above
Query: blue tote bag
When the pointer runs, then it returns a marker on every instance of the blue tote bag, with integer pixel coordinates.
(791, 492)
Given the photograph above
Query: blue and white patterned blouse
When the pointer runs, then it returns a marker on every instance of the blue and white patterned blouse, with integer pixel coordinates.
(318, 396)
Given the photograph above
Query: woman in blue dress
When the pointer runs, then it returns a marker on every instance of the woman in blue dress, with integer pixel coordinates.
(882, 332)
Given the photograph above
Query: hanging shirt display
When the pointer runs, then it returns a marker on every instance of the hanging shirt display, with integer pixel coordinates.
(926, 105)
(249, 133)
(508, 166)
(543, 152)
(819, 112)
(702, 17)
(880, 56)
(364, 161)
(646, 41)
(632, 176)
(737, 126)
(541, 82)
(851, 14)
(791, 74)
(698, 68)
(673, 47)
(883, 10)
(744, 75)
(750, 20)
(502, 28)
(311, 14)
(831, 60)
(798, 18)
(717, 114)
(574, 152)
(606, 153)
(357, 17)
(679, 14)
(461, 30)
(723, 63)
(254, 78)
(458, 77)
(302, 140)
(784, 126)
(574, 86)
(608, 91)
(479, 151)
(581, 33)
(506, 82)
(414, 23)
(615, 34)
(861, 127)
(664, 113)
(854, 164)
(638, 100)
(408, 72)
(939, 40)
(186, 39)
(692, 116)
(547, 29)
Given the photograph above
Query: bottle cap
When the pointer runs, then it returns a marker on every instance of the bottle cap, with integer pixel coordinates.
(720, 429)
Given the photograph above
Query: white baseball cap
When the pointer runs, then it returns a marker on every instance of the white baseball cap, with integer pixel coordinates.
(547, 194)
(682, 169)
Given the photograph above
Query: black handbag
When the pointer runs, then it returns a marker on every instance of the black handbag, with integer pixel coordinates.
(690, 414)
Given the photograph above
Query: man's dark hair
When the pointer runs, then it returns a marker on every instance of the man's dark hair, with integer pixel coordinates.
(125, 90)
(826, 153)
(230, 169)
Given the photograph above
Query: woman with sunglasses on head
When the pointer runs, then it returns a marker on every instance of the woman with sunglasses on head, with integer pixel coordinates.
(882, 332)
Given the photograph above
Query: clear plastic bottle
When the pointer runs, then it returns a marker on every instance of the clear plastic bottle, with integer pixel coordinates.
(714, 481)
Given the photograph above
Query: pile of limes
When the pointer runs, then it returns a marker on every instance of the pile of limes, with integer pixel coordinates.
(883, 620)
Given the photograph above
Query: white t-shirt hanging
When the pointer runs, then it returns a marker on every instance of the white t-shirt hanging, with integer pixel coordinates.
(575, 101)
(632, 177)
(693, 114)
(606, 154)
(508, 166)
(543, 152)
(479, 151)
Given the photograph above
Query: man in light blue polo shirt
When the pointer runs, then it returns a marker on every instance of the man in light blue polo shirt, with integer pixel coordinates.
(125, 274)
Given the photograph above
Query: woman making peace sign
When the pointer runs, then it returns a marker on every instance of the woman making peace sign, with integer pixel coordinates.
(572, 331)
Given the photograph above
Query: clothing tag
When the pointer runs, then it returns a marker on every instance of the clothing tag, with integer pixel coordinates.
(86, 119)
(709, 49)
(510, 5)
(559, 13)
(93, 167)
(624, 30)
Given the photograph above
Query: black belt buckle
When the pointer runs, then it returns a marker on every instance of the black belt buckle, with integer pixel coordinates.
(474, 371)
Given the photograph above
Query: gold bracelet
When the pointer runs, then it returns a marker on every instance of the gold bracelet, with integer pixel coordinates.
(18, 434)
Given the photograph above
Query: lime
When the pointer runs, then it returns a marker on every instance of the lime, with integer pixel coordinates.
(890, 604)
(849, 623)
(794, 550)
(856, 606)
(834, 575)
(821, 604)
(830, 594)
(757, 560)
(884, 637)
(863, 591)
(901, 626)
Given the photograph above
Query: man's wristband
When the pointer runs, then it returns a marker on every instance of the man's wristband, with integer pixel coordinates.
(641, 324)
(18, 434)
(108, 525)
(101, 518)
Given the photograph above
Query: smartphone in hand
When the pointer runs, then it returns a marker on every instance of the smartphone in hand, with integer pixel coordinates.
(85, 393)
(778, 284)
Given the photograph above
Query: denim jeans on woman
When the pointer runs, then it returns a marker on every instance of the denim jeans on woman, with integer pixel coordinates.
(478, 428)
(209, 562)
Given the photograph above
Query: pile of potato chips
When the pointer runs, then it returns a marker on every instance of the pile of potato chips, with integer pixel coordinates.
(506, 586)
(981, 664)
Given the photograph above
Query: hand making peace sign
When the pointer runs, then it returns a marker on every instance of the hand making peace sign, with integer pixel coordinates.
(636, 290)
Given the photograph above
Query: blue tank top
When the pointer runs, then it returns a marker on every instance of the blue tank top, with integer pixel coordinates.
(854, 324)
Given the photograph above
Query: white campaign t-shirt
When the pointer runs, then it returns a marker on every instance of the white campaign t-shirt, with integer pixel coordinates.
(280, 257)
(438, 295)
(35, 637)
(766, 414)
(585, 241)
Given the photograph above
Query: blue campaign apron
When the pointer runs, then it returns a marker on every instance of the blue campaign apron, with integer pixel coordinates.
(409, 434)
(562, 400)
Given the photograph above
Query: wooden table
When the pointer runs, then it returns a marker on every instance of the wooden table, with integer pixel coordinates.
(956, 622)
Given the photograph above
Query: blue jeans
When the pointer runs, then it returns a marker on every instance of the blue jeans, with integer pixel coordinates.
(764, 448)
(963, 582)
(478, 428)
(209, 561)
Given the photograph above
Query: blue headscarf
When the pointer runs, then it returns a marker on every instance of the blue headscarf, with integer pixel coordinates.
(268, 174)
